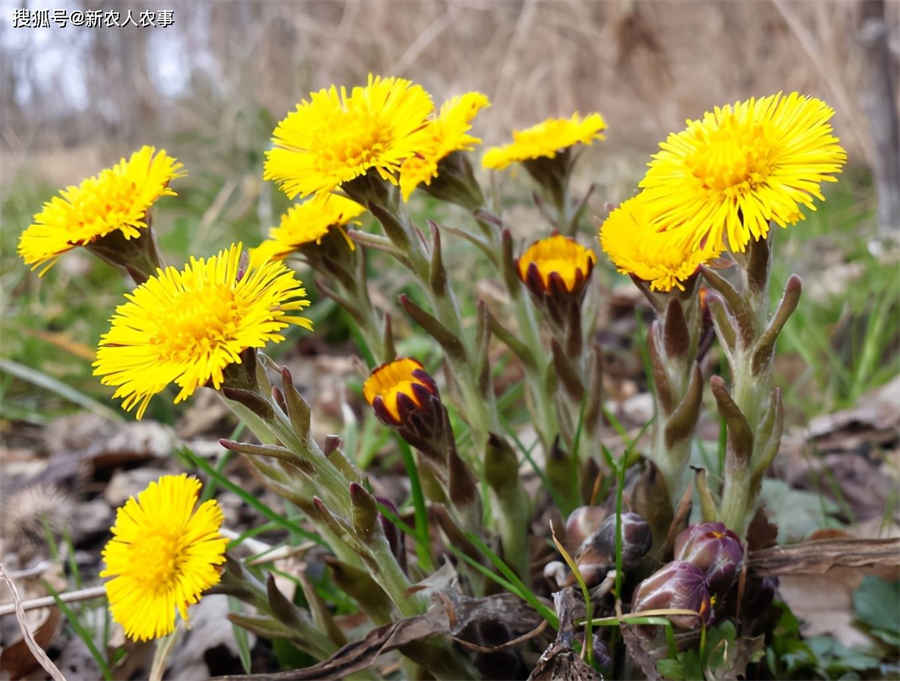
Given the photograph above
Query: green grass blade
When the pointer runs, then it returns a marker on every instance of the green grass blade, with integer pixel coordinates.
(80, 631)
(241, 639)
(252, 532)
(272, 515)
(585, 594)
(42, 380)
(526, 452)
(421, 534)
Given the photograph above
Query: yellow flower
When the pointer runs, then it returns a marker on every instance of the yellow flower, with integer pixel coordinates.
(308, 222)
(117, 198)
(334, 137)
(724, 177)
(163, 556)
(635, 246)
(397, 388)
(442, 136)
(556, 263)
(546, 139)
(188, 326)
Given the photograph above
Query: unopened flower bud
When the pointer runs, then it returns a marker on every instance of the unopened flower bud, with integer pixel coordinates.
(582, 523)
(556, 271)
(636, 537)
(399, 389)
(713, 548)
(405, 397)
(636, 541)
(676, 585)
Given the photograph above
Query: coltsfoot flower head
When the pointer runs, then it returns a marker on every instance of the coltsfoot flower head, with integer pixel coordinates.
(398, 388)
(309, 222)
(443, 135)
(557, 265)
(188, 326)
(636, 246)
(555, 271)
(334, 137)
(405, 397)
(115, 202)
(163, 555)
(546, 139)
(724, 177)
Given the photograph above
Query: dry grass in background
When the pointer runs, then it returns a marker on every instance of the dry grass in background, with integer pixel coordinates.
(645, 65)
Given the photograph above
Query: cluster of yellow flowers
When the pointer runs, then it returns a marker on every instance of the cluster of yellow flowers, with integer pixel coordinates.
(714, 186)
(720, 183)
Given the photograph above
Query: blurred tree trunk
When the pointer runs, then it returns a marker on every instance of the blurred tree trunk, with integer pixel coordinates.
(879, 102)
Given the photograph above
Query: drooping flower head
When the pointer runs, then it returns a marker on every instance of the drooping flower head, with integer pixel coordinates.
(163, 555)
(446, 133)
(546, 139)
(557, 263)
(334, 137)
(309, 222)
(405, 397)
(724, 177)
(115, 200)
(188, 326)
(397, 388)
(636, 246)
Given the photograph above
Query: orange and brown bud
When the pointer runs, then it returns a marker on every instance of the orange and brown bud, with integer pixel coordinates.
(555, 271)
(556, 266)
(405, 397)
(398, 389)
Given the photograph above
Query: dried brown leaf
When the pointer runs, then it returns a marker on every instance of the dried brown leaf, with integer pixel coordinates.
(361, 654)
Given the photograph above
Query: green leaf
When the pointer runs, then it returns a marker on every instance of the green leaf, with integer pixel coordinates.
(671, 669)
(241, 639)
(685, 666)
(892, 638)
(290, 656)
(835, 657)
(877, 603)
(797, 513)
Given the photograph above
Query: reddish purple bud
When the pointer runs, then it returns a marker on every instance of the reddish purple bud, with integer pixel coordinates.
(676, 585)
(715, 549)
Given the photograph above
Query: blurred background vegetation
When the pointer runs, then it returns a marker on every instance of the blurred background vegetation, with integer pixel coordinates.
(211, 87)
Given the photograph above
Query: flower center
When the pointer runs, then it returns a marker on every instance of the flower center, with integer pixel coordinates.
(197, 322)
(109, 203)
(158, 560)
(356, 140)
(734, 158)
